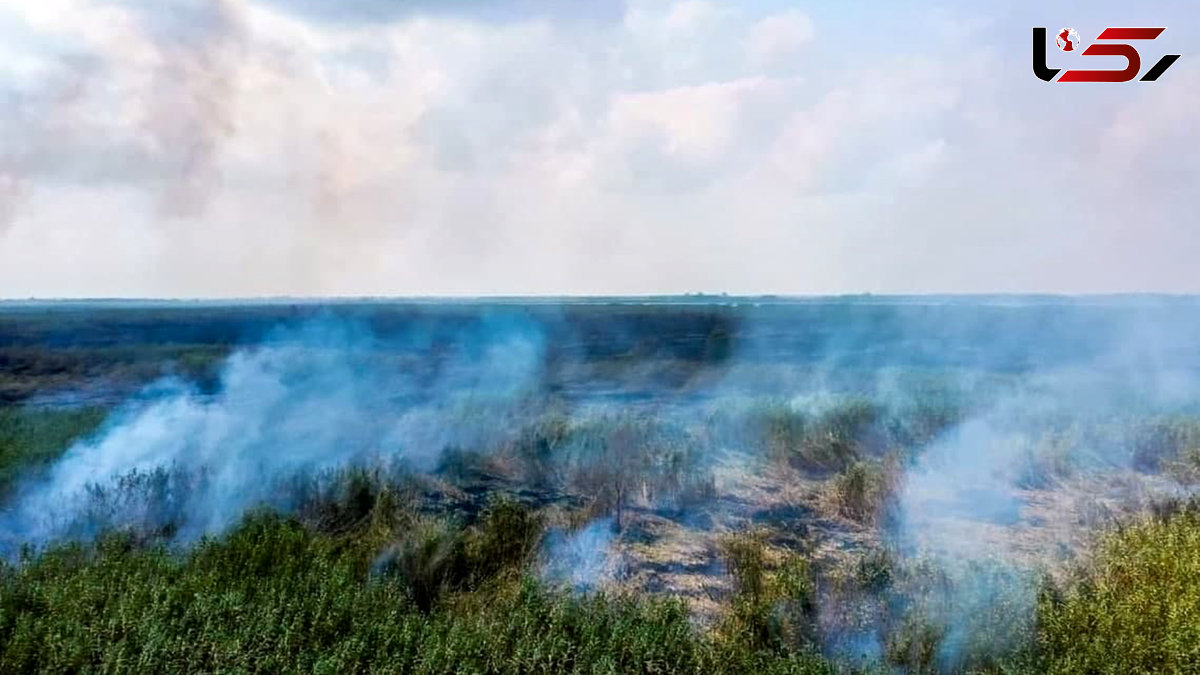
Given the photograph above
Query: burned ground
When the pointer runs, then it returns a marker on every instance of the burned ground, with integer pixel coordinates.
(880, 482)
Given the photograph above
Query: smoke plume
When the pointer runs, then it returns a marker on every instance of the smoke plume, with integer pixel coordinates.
(191, 101)
(307, 400)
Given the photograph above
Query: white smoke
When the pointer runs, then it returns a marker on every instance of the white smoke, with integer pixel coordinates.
(306, 401)
(583, 560)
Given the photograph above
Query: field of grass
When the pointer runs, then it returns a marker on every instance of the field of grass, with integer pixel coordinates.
(782, 488)
(282, 593)
(275, 595)
(30, 438)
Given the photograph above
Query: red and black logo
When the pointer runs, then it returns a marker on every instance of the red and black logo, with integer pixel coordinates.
(1068, 41)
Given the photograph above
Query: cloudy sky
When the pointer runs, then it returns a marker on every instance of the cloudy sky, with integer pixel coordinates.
(392, 147)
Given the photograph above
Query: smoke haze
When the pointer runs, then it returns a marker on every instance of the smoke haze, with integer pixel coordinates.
(251, 147)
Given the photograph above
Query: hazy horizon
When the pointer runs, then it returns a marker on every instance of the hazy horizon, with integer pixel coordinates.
(644, 298)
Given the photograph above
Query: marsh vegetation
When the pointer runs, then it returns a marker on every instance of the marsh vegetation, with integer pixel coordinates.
(605, 487)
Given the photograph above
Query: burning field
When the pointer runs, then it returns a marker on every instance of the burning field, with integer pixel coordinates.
(607, 485)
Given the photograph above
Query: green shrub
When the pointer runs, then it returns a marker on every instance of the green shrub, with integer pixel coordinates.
(621, 461)
(505, 538)
(773, 606)
(875, 570)
(428, 562)
(924, 615)
(823, 442)
(1135, 608)
(866, 492)
(915, 644)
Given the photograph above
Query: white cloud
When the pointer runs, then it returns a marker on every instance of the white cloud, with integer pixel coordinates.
(777, 39)
(689, 145)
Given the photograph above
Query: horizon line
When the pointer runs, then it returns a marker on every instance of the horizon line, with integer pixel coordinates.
(590, 297)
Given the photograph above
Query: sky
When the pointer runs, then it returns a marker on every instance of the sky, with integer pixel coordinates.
(250, 148)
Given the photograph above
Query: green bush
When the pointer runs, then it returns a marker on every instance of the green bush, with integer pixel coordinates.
(428, 562)
(866, 492)
(925, 615)
(505, 538)
(1135, 607)
(820, 442)
(773, 606)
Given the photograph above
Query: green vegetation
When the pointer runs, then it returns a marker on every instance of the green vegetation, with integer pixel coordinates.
(636, 412)
(362, 578)
(278, 594)
(774, 605)
(845, 432)
(275, 595)
(828, 442)
(921, 615)
(867, 491)
(105, 373)
(32, 437)
(1135, 608)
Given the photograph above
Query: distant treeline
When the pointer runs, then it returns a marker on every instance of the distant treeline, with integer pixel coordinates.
(987, 333)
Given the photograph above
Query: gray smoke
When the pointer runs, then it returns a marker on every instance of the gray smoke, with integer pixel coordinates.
(10, 193)
(189, 111)
(332, 394)
(307, 400)
(35, 122)
(157, 114)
